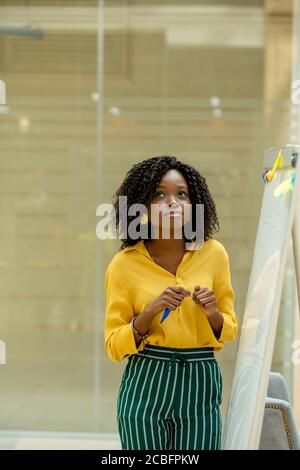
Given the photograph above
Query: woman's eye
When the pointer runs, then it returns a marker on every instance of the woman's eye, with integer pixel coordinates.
(162, 194)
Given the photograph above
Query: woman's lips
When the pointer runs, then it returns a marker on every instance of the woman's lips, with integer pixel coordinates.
(173, 214)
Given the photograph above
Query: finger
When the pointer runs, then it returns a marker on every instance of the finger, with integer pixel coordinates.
(200, 290)
(174, 300)
(178, 297)
(174, 295)
(182, 290)
(205, 300)
(204, 295)
(171, 305)
(210, 306)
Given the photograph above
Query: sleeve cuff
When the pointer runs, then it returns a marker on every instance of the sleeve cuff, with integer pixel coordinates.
(127, 340)
(228, 331)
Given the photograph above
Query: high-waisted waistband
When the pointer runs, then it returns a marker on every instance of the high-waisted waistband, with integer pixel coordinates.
(175, 355)
(184, 355)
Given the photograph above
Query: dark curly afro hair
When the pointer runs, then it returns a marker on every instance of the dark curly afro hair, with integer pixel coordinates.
(140, 185)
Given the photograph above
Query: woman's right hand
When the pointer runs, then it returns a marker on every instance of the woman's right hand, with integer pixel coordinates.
(171, 298)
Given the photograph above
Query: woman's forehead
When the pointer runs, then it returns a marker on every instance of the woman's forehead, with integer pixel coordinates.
(172, 177)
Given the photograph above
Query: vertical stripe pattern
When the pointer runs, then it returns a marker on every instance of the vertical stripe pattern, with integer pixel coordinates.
(169, 399)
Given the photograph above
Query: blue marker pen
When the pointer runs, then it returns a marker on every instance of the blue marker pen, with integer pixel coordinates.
(165, 314)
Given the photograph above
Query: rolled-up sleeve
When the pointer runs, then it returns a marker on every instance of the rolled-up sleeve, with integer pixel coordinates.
(225, 300)
(119, 337)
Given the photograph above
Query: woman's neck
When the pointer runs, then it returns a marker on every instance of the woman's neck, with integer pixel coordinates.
(165, 246)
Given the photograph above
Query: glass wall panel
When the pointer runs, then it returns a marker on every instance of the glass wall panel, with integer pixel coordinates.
(48, 60)
(93, 87)
(190, 82)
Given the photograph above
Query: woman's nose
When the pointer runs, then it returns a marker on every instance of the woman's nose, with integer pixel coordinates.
(172, 200)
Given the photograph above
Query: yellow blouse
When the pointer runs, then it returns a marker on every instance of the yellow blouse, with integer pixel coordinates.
(133, 280)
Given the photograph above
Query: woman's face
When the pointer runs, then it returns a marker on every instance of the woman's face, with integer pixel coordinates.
(170, 202)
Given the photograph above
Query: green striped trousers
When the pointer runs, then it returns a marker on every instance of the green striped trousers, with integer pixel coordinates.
(169, 399)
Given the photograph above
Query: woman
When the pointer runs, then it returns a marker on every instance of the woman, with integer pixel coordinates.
(171, 389)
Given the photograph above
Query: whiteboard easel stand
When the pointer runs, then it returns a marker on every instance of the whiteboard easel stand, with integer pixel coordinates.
(246, 406)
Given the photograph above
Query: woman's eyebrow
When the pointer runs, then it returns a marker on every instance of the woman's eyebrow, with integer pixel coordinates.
(179, 186)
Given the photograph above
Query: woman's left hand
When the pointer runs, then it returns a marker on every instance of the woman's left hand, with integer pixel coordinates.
(206, 299)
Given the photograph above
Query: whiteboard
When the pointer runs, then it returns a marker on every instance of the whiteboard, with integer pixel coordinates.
(244, 418)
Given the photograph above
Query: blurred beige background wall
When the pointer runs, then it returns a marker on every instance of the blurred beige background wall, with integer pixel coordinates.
(92, 88)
